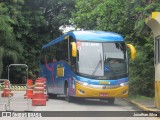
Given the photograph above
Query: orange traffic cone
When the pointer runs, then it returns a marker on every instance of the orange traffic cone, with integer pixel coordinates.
(29, 91)
(6, 92)
(39, 96)
(45, 91)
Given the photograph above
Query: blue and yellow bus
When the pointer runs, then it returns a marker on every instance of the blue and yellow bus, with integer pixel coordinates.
(87, 64)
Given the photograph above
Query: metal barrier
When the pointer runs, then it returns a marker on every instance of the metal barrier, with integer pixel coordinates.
(17, 100)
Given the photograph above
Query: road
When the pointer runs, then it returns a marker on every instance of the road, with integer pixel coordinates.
(18, 103)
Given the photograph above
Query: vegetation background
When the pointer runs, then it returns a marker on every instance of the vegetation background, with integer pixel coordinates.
(25, 25)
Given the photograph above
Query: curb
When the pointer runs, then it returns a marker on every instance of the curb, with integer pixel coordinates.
(142, 106)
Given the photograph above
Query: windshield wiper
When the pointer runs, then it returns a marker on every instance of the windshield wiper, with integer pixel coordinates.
(96, 68)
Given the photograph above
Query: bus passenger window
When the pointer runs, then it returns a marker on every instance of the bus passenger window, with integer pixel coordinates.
(157, 52)
(65, 50)
(62, 51)
(58, 54)
(42, 56)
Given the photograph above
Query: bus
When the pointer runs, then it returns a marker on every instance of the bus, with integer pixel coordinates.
(87, 64)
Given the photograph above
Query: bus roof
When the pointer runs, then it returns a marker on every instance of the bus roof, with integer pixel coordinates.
(88, 35)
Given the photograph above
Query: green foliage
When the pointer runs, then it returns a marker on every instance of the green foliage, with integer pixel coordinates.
(21, 77)
(101, 15)
(142, 74)
(140, 98)
(10, 48)
(1, 63)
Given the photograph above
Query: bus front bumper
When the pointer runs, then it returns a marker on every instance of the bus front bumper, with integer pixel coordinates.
(89, 92)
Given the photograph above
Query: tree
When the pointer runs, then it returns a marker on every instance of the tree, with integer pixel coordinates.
(47, 17)
(9, 48)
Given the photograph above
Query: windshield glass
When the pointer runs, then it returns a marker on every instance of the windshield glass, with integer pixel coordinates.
(90, 58)
(115, 62)
(102, 60)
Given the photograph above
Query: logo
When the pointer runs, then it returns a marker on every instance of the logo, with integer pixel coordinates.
(6, 114)
(104, 82)
(104, 87)
(21, 114)
(106, 69)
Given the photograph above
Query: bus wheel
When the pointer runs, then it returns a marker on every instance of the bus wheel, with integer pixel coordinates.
(111, 100)
(103, 99)
(67, 97)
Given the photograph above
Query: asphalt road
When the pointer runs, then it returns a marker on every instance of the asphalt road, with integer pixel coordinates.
(88, 109)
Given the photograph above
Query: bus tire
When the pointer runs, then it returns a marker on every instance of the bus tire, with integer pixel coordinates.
(103, 99)
(52, 96)
(111, 100)
(67, 97)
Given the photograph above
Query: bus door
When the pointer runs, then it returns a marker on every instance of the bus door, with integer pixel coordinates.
(60, 78)
(62, 58)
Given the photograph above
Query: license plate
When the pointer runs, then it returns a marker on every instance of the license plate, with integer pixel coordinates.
(103, 94)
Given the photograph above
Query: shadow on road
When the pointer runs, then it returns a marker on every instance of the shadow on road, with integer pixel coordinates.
(82, 101)
(97, 102)
(119, 102)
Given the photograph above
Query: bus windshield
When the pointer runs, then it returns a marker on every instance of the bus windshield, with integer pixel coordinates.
(102, 60)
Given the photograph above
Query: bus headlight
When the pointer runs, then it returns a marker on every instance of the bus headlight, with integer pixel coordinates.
(73, 84)
(124, 84)
(85, 84)
(82, 83)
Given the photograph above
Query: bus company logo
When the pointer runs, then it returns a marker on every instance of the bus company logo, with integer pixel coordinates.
(6, 114)
(21, 114)
(104, 82)
(104, 87)
(106, 69)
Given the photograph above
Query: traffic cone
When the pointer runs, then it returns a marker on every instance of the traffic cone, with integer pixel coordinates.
(45, 91)
(29, 91)
(39, 96)
(6, 92)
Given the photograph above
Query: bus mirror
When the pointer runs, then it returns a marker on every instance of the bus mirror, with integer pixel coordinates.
(74, 49)
(133, 51)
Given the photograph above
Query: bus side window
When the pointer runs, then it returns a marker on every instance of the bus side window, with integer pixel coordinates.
(62, 51)
(54, 54)
(58, 52)
(49, 55)
(42, 56)
(65, 50)
(157, 50)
